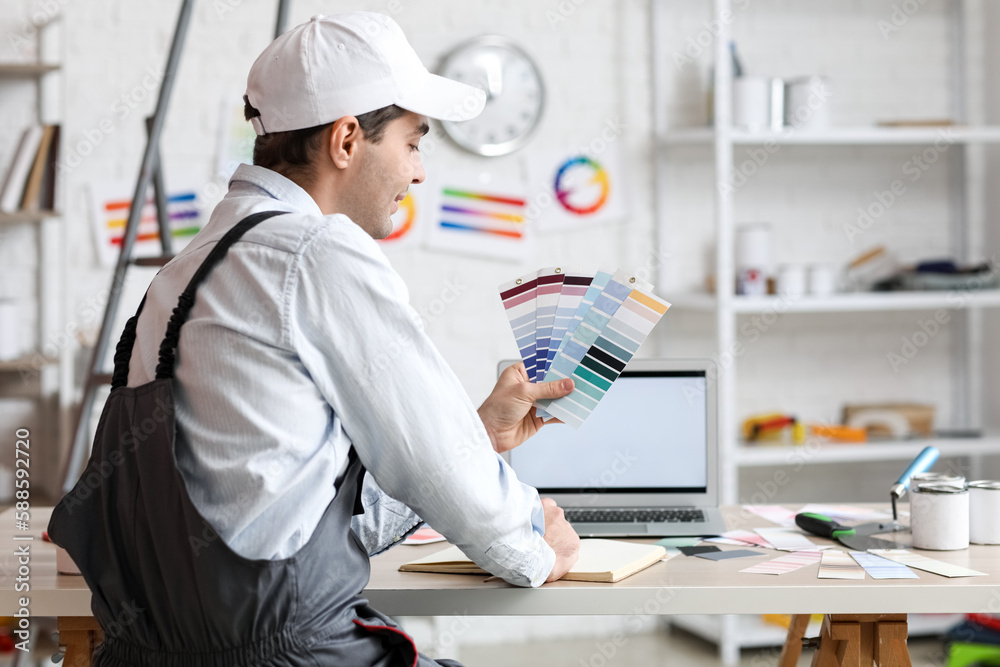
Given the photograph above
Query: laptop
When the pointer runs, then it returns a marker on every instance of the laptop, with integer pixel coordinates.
(644, 463)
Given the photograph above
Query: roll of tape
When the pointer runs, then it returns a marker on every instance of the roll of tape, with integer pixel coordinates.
(984, 512)
(939, 517)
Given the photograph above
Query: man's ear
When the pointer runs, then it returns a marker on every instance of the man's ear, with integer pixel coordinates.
(344, 139)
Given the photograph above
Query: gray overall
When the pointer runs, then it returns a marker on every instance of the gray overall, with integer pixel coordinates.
(167, 591)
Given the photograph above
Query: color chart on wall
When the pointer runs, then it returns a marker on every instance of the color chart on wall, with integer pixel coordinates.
(411, 217)
(110, 204)
(570, 189)
(476, 218)
(611, 317)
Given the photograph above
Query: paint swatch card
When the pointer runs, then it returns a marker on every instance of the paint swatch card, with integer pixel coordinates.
(726, 555)
(773, 513)
(673, 542)
(572, 325)
(694, 551)
(882, 568)
(838, 565)
(741, 538)
(602, 345)
(594, 289)
(785, 564)
(574, 287)
(550, 283)
(786, 540)
(921, 562)
(518, 298)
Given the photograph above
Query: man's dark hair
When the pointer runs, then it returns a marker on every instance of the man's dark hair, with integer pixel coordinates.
(291, 153)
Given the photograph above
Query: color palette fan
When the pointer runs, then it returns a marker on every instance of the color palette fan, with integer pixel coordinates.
(574, 325)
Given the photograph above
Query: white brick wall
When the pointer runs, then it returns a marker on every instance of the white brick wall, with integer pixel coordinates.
(596, 65)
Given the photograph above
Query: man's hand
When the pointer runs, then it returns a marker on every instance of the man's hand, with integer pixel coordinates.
(508, 413)
(562, 538)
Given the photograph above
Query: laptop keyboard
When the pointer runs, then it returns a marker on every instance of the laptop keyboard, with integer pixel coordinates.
(633, 515)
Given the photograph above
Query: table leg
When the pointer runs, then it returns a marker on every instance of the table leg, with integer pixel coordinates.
(852, 640)
(80, 635)
(792, 649)
(890, 645)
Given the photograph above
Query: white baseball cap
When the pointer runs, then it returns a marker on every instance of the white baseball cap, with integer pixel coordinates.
(347, 65)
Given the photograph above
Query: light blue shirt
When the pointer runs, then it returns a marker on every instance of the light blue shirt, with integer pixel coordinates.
(301, 343)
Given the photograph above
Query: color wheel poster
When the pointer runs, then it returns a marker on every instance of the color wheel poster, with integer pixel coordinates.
(479, 214)
(410, 217)
(110, 204)
(572, 189)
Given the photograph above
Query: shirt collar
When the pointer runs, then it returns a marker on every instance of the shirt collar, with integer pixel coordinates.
(276, 186)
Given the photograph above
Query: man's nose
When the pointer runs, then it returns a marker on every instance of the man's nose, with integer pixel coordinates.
(419, 175)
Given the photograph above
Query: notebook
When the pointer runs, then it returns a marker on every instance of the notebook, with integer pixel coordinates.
(600, 560)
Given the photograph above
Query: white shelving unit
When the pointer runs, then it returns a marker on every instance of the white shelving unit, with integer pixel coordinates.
(965, 138)
(43, 373)
(838, 136)
(727, 306)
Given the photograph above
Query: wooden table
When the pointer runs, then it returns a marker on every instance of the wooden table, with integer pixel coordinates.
(679, 586)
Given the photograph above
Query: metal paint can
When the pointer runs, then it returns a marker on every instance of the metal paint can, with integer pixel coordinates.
(939, 517)
(984, 512)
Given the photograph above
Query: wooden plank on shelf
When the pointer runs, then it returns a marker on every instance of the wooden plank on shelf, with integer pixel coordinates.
(847, 301)
(20, 217)
(26, 69)
(777, 455)
(841, 136)
(27, 362)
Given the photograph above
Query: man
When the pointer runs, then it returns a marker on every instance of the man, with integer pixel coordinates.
(300, 364)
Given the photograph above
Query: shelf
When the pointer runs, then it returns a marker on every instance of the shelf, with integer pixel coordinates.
(846, 302)
(18, 217)
(29, 361)
(843, 136)
(25, 69)
(774, 455)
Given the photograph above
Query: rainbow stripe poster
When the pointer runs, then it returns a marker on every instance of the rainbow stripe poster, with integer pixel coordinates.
(604, 321)
(479, 216)
(110, 204)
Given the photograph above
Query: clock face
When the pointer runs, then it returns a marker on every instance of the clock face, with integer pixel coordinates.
(515, 95)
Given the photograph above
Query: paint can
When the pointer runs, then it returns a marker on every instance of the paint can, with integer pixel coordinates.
(807, 102)
(791, 280)
(984, 512)
(753, 99)
(957, 481)
(753, 258)
(939, 517)
(822, 280)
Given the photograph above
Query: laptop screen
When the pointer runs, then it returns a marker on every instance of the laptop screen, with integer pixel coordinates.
(649, 434)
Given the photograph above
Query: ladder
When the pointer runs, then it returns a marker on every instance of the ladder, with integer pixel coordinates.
(150, 174)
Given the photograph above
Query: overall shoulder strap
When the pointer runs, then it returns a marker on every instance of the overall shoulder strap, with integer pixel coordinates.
(168, 347)
(123, 351)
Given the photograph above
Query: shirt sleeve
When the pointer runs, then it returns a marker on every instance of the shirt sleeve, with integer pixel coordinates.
(385, 521)
(409, 418)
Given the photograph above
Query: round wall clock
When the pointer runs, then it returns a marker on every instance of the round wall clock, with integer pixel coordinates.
(515, 95)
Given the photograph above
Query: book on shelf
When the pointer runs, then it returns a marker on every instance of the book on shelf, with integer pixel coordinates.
(605, 561)
(30, 181)
(47, 194)
(20, 166)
